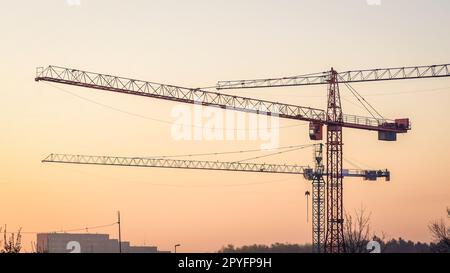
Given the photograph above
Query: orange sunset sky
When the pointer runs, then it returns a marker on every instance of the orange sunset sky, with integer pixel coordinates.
(195, 44)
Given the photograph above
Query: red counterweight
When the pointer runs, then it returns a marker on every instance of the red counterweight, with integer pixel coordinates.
(403, 123)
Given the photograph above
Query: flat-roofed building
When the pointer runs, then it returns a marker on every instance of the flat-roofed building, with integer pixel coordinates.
(86, 243)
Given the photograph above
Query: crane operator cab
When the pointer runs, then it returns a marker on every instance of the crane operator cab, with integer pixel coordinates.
(315, 130)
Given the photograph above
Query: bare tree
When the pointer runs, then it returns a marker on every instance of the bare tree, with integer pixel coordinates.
(357, 231)
(441, 233)
(13, 243)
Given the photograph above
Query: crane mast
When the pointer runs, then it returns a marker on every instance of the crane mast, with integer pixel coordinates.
(318, 201)
(334, 237)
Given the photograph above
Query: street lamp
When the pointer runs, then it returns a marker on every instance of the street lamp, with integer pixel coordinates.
(307, 193)
(175, 247)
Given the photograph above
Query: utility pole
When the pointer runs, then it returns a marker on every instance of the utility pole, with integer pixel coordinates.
(120, 235)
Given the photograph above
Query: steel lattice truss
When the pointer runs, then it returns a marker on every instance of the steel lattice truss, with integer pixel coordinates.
(318, 201)
(334, 235)
(368, 75)
(306, 171)
(176, 93)
(205, 98)
(174, 163)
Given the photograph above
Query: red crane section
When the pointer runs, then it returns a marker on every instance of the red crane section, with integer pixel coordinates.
(317, 117)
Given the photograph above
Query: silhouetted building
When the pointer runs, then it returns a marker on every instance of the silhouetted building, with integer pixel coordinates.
(86, 243)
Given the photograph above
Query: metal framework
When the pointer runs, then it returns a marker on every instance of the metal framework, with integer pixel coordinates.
(334, 237)
(150, 162)
(316, 177)
(318, 201)
(176, 93)
(197, 96)
(368, 75)
(175, 163)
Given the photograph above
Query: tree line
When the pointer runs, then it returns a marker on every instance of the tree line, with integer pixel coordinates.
(357, 235)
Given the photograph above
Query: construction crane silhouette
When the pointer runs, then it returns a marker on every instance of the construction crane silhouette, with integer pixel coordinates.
(329, 238)
(306, 171)
(315, 175)
(335, 120)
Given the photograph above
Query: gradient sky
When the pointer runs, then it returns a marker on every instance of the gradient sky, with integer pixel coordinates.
(194, 44)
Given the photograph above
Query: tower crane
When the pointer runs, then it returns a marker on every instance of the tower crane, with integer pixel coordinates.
(335, 121)
(315, 175)
(333, 117)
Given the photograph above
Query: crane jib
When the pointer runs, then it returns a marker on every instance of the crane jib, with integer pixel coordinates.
(353, 76)
(213, 99)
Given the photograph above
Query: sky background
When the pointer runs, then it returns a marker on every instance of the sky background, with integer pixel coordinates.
(195, 44)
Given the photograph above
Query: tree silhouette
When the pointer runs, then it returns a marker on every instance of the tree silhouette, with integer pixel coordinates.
(273, 248)
(357, 231)
(11, 244)
(441, 234)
